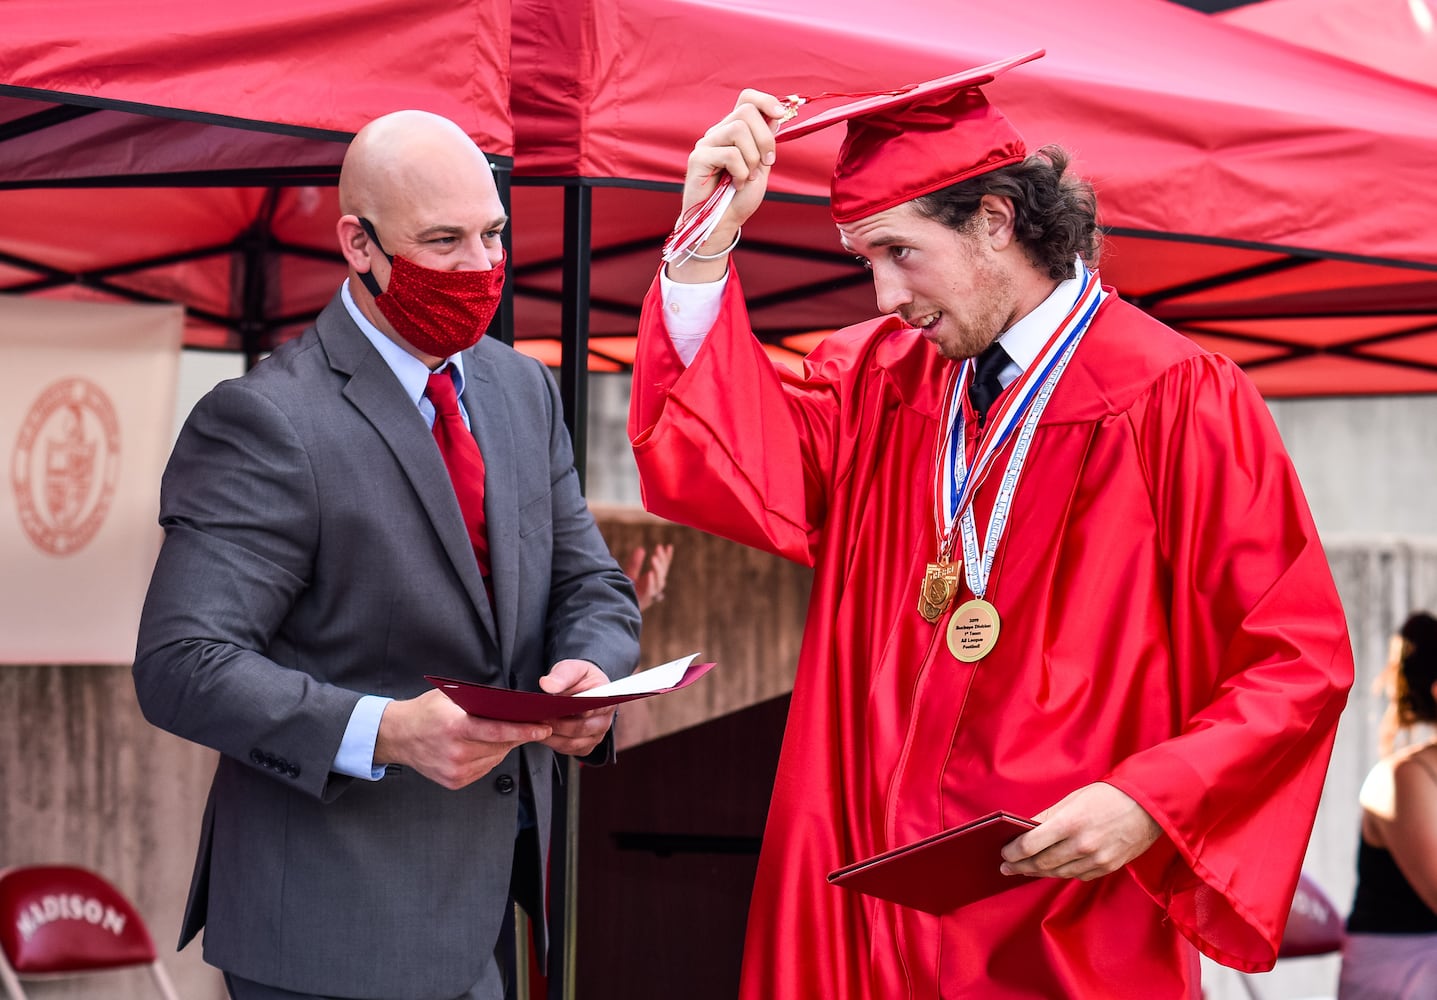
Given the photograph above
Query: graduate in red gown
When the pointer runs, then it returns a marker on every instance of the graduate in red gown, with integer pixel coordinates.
(1097, 600)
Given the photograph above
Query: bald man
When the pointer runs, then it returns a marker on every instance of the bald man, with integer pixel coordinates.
(388, 496)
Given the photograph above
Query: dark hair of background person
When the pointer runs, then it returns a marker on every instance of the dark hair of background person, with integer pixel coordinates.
(1055, 213)
(1417, 670)
(1407, 680)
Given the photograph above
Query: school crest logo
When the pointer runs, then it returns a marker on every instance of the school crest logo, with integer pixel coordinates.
(65, 466)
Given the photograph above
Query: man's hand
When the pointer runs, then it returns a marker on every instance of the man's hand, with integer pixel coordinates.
(1090, 833)
(741, 146)
(444, 743)
(576, 735)
(649, 583)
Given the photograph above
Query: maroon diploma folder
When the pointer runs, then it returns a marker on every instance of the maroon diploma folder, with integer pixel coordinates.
(536, 706)
(943, 872)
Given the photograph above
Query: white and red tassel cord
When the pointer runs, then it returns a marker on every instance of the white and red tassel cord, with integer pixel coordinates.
(699, 222)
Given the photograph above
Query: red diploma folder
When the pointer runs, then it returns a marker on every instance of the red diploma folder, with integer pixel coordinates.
(943, 872)
(536, 706)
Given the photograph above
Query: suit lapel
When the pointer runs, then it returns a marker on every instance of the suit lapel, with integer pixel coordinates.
(489, 419)
(377, 394)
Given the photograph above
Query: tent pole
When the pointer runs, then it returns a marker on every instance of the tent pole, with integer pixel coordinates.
(502, 325)
(573, 391)
(574, 367)
(254, 248)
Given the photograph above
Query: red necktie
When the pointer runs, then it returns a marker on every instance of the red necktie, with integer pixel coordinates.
(461, 457)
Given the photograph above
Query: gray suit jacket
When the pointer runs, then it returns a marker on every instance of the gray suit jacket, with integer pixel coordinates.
(314, 552)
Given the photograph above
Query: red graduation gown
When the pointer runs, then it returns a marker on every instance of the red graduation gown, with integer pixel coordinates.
(1169, 626)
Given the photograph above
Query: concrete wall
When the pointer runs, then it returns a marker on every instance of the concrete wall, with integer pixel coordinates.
(87, 781)
(1368, 464)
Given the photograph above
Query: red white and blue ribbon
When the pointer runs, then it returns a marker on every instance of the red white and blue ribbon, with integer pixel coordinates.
(1018, 412)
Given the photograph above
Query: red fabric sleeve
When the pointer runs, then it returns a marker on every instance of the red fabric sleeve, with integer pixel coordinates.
(735, 444)
(1261, 647)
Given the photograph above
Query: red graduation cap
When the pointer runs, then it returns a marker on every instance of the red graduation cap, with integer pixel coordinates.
(915, 140)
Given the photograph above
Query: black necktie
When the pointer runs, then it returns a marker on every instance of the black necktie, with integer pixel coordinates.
(986, 387)
(462, 458)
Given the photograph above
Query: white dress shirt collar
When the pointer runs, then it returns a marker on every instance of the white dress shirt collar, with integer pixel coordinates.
(1024, 340)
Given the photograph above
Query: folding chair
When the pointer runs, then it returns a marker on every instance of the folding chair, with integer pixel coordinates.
(1314, 927)
(58, 921)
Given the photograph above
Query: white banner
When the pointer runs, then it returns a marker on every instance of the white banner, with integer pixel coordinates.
(87, 397)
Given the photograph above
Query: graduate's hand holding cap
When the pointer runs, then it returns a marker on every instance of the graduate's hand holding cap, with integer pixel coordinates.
(901, 144)
(740, 146)
(725, 181)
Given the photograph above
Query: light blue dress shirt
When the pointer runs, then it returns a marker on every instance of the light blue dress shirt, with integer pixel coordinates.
(356, 752)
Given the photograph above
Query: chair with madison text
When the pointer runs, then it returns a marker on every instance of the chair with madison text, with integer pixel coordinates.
(59, 921)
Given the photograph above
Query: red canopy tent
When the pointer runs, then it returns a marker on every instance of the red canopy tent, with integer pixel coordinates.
(225, 125)
(1269, 202)
(1397, 37)
(1227, 166)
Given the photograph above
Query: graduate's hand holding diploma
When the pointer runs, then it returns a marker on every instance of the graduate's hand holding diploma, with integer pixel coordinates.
(1092, 832)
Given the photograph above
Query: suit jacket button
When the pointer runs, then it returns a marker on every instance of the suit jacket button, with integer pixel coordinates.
(292, 770)
(505, 784)
(256, 757)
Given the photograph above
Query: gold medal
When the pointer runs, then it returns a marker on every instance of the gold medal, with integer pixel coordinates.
(973, 630)
(940, 583)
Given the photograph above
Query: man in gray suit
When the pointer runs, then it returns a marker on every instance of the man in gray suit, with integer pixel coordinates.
(363, 835)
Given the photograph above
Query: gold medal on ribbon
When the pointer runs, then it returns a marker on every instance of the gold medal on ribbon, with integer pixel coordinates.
(940, 583)
(973, 630)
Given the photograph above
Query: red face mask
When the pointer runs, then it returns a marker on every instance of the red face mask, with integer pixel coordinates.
(439, 312)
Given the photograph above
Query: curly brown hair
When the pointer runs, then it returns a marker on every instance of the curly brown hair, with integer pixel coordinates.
(1055, 213)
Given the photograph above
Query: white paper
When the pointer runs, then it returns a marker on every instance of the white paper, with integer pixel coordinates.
(665, 675)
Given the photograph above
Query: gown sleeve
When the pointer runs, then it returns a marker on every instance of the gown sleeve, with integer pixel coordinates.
(1262, 658)
(735, 444)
